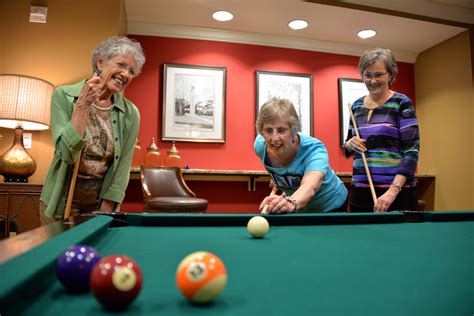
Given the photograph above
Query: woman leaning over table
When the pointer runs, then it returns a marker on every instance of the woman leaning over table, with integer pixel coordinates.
(298, 164)
(389, 138)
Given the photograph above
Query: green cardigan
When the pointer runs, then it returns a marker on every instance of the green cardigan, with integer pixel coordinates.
(68, 145)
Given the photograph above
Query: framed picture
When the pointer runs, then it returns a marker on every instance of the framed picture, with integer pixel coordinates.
(349, 91)
(194, 100)
(298, 88)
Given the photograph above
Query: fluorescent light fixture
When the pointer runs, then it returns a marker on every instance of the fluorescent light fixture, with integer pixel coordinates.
(222, 16)
(366, 33)
(298, 24)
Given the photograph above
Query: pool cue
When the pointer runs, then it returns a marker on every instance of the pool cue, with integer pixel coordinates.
(367, 171)
(265, 208)
(72, 186)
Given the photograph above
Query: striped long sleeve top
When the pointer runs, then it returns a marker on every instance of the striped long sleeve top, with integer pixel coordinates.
(392, 141)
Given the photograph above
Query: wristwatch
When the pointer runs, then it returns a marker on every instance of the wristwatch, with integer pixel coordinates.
(398, 186)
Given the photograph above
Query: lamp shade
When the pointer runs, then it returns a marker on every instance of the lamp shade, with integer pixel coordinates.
(25, 101)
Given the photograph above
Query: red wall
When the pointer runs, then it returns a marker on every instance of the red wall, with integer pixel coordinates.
(242, 61)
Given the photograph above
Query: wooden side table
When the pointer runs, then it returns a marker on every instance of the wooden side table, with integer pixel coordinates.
(19, 207)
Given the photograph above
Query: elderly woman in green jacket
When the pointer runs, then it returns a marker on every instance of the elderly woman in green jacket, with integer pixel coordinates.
(93, 123)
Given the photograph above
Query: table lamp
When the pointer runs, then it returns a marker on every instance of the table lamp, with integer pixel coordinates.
(24, 104)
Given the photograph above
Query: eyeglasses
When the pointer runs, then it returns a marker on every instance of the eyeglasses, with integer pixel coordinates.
(268, 132)
(377, 75)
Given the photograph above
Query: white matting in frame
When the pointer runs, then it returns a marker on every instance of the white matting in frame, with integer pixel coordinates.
(297, 88)
(349, 91)
(194, 103)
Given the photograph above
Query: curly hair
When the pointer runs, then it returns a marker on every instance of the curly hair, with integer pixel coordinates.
(118, 45)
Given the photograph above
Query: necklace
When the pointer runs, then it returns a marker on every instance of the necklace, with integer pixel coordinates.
(370, 104)
(103, 108)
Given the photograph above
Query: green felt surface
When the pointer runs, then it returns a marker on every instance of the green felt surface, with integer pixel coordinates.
(37, 265)
(366, 269)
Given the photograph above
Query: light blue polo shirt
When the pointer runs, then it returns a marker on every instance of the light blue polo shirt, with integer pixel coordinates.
(312, 156)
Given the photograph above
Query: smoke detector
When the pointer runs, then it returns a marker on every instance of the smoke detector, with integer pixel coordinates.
(38, 14)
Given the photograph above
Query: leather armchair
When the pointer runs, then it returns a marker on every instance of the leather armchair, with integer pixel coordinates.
(164, 190)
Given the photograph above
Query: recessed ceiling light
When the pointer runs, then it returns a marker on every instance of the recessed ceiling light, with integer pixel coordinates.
(222, 16)
(366, 33)
(298, 24)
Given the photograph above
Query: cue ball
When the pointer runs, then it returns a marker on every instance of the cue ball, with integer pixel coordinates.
(116, 281)
(201, 276)
(258, 226)
(74, 267)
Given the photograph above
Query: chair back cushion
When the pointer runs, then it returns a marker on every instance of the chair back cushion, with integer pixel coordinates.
(163, 182)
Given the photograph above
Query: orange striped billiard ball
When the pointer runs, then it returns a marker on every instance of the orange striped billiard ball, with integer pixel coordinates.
(201, 276)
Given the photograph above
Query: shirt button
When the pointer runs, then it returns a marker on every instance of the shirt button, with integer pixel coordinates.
(115, 121)
(117, 157)
(116, 139)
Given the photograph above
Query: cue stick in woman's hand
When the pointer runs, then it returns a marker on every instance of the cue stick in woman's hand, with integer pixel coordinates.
(265, 208)
(367, 171)
(72, 185)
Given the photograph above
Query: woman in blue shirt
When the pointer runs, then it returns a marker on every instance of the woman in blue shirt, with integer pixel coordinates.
(298, 164)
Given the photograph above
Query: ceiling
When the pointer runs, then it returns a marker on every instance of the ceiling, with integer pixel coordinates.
(408, 27)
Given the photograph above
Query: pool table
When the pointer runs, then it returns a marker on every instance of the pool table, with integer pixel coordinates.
(309, 264)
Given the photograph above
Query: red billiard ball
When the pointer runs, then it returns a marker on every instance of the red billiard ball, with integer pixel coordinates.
(74, 267)
(201, 277)
(116, 281)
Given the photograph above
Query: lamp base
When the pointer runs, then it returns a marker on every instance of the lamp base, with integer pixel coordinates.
(14, 179)
(16, 165)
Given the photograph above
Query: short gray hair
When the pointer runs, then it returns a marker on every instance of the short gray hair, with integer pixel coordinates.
(278, 108)
(384, 55)
(118, 45)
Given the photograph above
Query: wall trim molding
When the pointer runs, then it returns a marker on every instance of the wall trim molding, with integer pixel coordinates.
(179, 31)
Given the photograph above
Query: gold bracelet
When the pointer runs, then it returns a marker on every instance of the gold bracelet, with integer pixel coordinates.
(292, 200)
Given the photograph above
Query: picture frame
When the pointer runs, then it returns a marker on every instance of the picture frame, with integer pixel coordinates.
(349, 91)
(194, 103)
(296, 87)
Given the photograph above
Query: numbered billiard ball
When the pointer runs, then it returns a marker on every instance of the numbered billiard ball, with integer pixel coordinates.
(74, 267)
(201, 277)
(258, 226)
(116, 281)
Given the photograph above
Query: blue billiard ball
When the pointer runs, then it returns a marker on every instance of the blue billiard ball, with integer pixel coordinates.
(74, 267)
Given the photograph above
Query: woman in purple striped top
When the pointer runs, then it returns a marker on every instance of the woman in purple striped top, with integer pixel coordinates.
(389, 137)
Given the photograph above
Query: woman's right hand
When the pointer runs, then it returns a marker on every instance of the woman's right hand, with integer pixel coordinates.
(277, 204)
(356, 144)
(90, 92)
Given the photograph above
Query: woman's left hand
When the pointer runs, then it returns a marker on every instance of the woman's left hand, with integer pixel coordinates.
(107, 206)
(384, 201)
